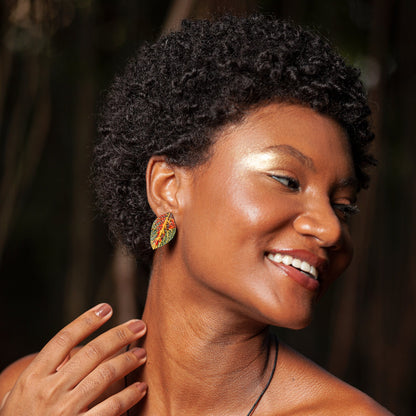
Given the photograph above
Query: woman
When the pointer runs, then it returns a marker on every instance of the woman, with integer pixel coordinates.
(247, 138)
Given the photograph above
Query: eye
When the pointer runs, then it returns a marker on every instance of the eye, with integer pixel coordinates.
(346, 210)
(287, 181)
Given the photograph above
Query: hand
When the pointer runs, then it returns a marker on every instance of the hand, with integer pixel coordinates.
(53, 385)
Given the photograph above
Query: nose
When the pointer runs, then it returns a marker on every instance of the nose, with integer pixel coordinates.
(320, 221)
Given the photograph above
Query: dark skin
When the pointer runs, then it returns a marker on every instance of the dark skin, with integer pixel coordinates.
(279, 182)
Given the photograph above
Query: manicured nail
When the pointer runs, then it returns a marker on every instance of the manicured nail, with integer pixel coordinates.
(142, 387)
(140, 353)
(136, 326)
(102, 310)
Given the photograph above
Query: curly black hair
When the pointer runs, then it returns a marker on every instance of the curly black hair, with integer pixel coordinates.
(176, 93)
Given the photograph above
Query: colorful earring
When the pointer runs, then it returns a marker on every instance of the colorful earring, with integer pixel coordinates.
(163, 230)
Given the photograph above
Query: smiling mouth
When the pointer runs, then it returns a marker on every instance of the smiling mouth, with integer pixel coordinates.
(298, 264)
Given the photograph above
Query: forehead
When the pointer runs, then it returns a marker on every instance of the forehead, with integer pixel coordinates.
(289, 122)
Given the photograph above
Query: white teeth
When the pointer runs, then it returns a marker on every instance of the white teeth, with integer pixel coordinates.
(297, 263)
(305, 267)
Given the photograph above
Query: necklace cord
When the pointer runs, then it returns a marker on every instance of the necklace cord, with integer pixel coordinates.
(253, 408)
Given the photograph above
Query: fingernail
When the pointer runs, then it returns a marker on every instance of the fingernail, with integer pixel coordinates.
(142, 387)
(136, 326)
(140, 353)
(102, 310)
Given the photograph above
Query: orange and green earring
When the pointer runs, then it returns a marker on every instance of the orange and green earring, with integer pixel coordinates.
(163, 230)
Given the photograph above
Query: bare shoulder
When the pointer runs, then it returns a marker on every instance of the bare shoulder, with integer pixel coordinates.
(11, 373)
(358, 403)
(301, 387)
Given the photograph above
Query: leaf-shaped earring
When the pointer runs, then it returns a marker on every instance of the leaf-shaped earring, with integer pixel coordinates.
(163, 230)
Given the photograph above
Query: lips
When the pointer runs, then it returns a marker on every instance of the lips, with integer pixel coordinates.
(302, 266)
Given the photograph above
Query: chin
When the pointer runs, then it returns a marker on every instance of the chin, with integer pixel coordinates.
(301, 324)
(294, 322)
(298, 316)
(294, 318)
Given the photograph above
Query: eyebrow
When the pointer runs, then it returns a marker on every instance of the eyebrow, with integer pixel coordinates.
(286, 148)
(350, 182)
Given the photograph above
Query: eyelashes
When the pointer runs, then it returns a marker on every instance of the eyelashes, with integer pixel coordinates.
(287, 181)
(345, 211)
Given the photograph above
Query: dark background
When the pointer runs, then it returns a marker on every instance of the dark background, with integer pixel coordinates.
(56, 59)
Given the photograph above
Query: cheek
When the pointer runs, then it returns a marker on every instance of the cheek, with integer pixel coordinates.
(226, 226)
(238, 212)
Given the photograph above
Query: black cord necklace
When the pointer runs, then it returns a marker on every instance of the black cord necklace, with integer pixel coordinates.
(253, 408)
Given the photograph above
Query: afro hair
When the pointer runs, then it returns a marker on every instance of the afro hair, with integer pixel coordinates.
(177, 93)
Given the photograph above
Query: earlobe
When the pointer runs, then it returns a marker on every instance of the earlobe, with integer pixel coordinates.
(162, 185)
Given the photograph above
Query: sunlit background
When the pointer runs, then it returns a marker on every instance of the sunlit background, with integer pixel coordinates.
(56, 59)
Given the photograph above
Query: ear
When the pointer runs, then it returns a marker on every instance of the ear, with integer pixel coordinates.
(163, 184)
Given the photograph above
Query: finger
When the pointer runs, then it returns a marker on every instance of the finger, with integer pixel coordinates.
(99, 350)
(4, 399)
(121, 402)
(104, 375)
(63, 362)
(55, 351)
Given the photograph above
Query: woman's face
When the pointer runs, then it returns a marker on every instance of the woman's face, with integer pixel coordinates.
(273, 200)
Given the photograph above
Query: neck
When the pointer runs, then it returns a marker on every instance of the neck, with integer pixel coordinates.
(201, 354)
